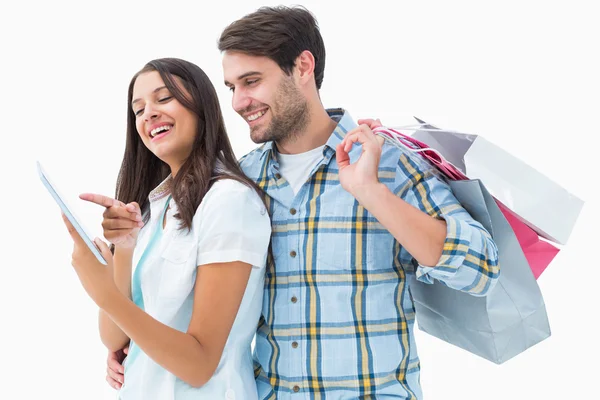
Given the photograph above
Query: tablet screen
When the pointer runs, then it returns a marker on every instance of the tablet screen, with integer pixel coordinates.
(68, 213)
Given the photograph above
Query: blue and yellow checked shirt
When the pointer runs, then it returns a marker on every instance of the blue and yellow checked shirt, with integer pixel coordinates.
(337, 317)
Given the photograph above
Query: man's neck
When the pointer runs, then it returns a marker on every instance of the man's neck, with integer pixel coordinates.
(316, 133)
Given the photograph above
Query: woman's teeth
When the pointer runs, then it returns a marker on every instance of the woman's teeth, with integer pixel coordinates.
(160, 129)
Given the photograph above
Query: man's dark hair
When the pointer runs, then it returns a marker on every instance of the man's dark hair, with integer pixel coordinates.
(280, 33)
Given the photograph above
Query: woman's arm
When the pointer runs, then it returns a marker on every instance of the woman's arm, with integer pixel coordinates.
(111, 335)
(121, 223)
(192, 356)
(236, 232)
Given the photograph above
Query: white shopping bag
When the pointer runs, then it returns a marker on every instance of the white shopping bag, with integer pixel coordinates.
(543, 205)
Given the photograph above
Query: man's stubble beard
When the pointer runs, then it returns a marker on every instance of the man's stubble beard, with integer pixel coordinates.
(290, 115)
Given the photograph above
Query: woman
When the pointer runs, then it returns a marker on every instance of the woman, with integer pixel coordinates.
(190, 234)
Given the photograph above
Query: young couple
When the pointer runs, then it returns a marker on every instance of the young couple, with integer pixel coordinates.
(306, 243)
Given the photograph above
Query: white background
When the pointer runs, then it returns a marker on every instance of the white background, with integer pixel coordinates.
(523, 74)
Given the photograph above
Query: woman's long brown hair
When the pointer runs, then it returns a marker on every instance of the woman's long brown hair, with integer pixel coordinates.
(141, 171)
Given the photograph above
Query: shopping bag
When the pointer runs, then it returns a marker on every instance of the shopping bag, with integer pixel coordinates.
(540, 203)
(511, 318)
(539, 253)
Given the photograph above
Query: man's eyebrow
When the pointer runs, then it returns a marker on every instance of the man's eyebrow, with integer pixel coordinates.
(244, 75)
(154, 91)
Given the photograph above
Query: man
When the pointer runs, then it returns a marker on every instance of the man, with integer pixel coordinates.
(351, 217)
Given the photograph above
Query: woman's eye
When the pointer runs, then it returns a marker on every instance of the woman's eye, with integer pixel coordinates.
(138, 112)
(163, 99)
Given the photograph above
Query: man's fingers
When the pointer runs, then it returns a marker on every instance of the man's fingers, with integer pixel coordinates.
(341, 156)
(114, 365)
(114, 370)
(114, 375)
(113, 383)
(370, 122)
(352, 137)
(366, 130)
(99, 199)
(349, 140)
(363, 135)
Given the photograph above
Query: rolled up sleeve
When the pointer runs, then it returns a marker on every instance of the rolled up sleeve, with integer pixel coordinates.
(469, 260)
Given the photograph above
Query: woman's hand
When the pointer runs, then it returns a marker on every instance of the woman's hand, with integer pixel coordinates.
(122, 222)
(96, 278)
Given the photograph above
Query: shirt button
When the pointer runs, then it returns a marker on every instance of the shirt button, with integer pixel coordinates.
(296, 388)
(295, 345)
(293, 253)
(293, 211)
(294, 299)
(278, 176)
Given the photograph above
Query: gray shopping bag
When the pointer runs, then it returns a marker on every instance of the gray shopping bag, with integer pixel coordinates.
(511, 318)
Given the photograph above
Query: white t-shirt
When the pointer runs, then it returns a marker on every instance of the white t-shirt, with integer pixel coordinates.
(296, 168)
(231, 224)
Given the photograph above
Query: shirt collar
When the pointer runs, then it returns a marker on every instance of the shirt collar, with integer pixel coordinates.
(345, 123)
(162, 190)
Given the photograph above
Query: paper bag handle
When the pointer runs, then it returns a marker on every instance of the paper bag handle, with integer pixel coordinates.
(415, 146)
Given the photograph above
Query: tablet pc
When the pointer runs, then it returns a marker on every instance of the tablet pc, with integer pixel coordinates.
(68, 213)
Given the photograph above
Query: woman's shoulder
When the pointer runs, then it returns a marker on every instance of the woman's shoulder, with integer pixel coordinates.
(226, 187)
(228, 192)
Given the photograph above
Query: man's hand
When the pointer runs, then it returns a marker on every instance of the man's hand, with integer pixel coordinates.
(371, 123)
(362, 175)
(114, 367)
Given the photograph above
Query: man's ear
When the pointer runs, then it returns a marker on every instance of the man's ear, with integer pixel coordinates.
(305, 67)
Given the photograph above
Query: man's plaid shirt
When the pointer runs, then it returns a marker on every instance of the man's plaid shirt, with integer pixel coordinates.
(338, 317)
